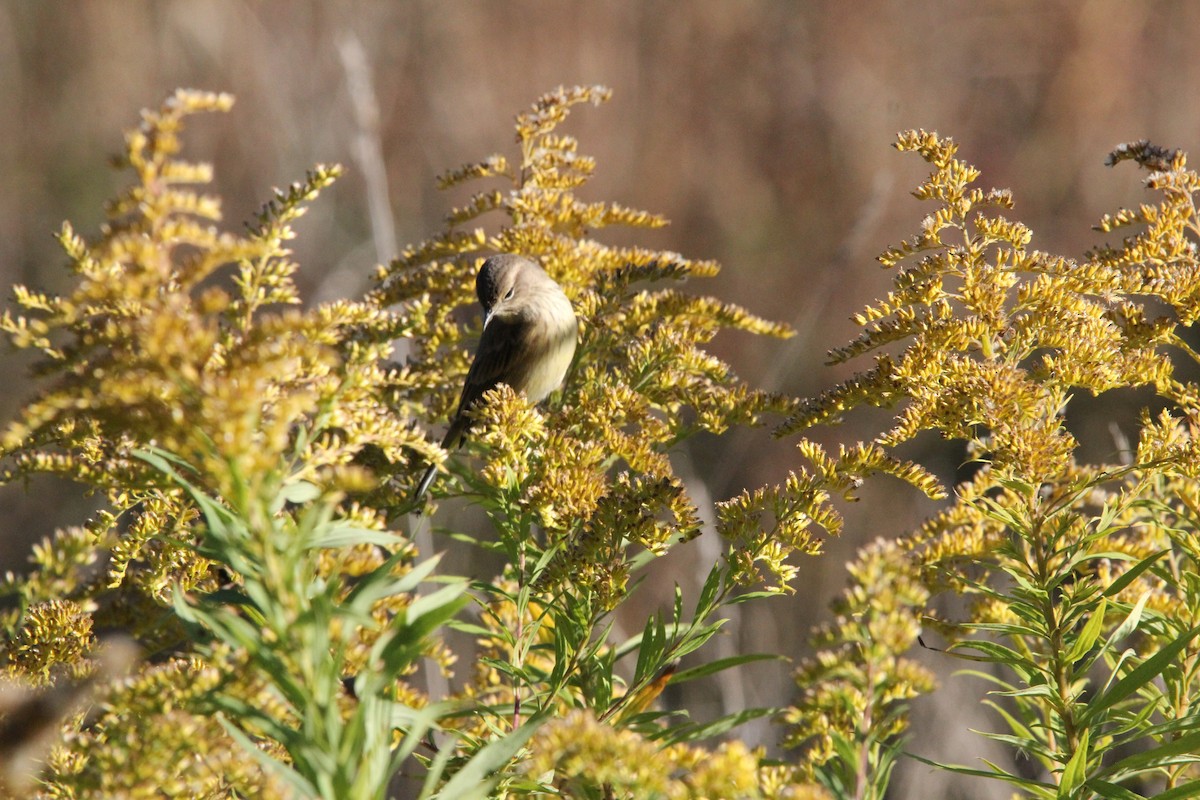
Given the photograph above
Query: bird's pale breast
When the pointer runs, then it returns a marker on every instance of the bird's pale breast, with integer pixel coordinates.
(552, 342)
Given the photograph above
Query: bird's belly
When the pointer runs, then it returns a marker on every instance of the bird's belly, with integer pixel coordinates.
(546, 374)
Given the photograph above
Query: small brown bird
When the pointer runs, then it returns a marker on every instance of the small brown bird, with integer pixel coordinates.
(529, 333)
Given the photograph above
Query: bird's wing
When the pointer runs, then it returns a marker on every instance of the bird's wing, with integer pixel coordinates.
(501, 351)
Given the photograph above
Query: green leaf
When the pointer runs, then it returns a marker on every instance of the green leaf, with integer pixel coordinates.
(401, 643)
(748, 596)
(722, 664)
(999, 513)
(437, 604)
(1133, 572)
(1145, 672)
(415, 722)
(163, 461)
(1028, 784)
(1022, 745)
(379, 583)
(722, 725)
(288, 774)
(1130, 623)
(654, 638)
(505, 667)
(993, 653)
(1112, 791)
(1157, 756)
(1088, 636)
(1036, 690)
(628, 646)
(1023, 738)
(1163, 729)
(708, 593)
(1075, 772)
(330, 537)
(696, 639)
(1180, 792)
(248, 716)
(471, 629)
(300, 492)
(472, 780)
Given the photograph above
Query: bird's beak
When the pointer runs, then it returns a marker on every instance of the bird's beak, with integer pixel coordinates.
(487, 317)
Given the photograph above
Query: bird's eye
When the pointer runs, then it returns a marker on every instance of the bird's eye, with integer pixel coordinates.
(510, 293)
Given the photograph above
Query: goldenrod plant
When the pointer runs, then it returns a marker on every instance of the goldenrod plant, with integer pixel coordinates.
(256, 460)
(1081, 577)
(581, 493)
(256, 457)
(221, 428)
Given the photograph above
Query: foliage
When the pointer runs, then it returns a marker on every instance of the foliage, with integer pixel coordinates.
(254, 457)
(854, 696)
(255, 460)
(173, 337)
(1081, 577)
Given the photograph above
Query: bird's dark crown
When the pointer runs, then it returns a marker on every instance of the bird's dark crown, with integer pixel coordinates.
(498, 276)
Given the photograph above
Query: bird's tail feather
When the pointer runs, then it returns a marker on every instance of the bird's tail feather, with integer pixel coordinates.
(426, 482)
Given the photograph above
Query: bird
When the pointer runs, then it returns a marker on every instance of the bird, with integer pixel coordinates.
(528, 341)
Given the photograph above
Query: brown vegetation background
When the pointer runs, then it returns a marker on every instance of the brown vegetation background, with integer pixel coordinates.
(760, 128)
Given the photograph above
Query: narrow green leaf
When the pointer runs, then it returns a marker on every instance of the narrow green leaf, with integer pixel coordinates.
(1157, 756)
(416, 723)
(1028, 784)
(248, 716)
(471, 629)
(629, 645)
(335, 536)
(1112, 791)
(987, 677)
(1022, 745)
(1001, 514)
(738, 599)
(401, 643)
(1023, 738)
(1090, 633)
(444, 603)
(228, 597)
(289, 775)
(1133, 572)
(1036, 690)
(1184, 792)
(1108, 512)
(505, 667)
(1130, 623)
(433, 775)
(993, 653)
(543, 561)
(650, 653)
(708, 593)
(300, 492)
(379, 583)
(473, 776)
(722, 664)
(696, 638)
(722, 725)
(157, 457)
(1075, 771)
(1145, 672)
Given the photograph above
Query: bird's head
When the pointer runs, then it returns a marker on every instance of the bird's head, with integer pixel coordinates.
(502, 283)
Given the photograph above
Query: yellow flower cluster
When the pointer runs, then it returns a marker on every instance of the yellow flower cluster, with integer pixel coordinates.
(1062, 560)
(577, 753)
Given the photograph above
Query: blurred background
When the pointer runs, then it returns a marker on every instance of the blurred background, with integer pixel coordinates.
(761, 128)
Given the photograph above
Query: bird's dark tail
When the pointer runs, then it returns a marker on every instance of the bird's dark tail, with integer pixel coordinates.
(426, 482)
(458, 426)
